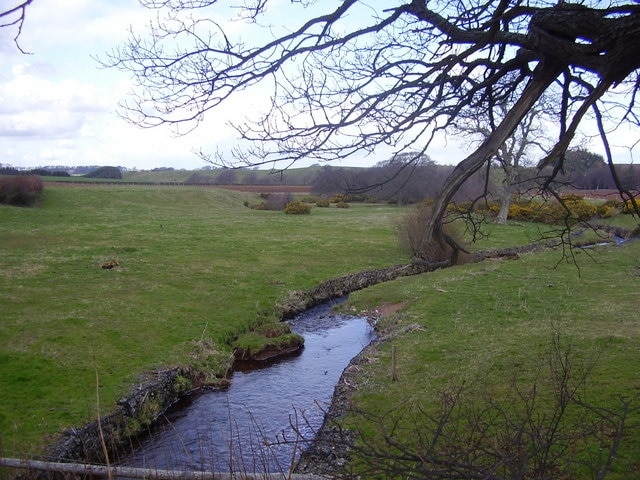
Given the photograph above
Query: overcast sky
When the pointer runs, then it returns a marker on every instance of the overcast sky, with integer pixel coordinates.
(58, 107)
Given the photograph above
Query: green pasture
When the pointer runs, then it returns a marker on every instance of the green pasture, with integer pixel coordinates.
(492, 326)
(195, 263)
(192, 263)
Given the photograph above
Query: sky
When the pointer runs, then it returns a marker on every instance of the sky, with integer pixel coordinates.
(58, 106)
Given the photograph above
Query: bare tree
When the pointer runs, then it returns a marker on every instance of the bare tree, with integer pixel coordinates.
(367, 74)
(14, 17)
(528, 139)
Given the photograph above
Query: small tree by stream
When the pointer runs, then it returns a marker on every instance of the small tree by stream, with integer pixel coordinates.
(516, 153)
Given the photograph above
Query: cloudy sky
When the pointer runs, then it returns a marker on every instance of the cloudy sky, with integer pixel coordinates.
(58, 106)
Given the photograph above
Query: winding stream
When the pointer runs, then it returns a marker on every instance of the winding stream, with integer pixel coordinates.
(268, 414)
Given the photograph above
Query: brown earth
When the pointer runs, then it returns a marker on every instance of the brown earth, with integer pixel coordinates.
(306, 189)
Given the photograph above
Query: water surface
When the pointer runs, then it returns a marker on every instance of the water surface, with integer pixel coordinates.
(264, 419)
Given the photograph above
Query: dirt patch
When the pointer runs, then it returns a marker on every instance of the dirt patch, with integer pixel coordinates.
(385, 309)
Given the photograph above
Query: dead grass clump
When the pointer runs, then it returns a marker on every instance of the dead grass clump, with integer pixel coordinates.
(411, 234)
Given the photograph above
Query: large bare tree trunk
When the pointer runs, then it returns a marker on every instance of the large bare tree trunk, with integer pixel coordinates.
(544, 74)
(507, 192)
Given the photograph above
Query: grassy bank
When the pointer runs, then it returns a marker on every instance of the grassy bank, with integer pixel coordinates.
(491, 329)
(192, 263)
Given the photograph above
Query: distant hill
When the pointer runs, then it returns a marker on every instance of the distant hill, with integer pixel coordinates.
(226, 176)
(112, 173)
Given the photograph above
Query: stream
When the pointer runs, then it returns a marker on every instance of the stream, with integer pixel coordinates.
(268, 414)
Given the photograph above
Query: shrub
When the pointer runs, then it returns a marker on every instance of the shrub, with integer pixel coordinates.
(342, 205)
(339, 197)
(553, 212)
(21, 190)
(410, 232)
(322, 202)
(297, 208)
(628, 208)
(580, 209)
(608, 208)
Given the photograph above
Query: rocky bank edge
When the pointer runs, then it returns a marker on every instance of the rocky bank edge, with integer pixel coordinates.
(158, 390)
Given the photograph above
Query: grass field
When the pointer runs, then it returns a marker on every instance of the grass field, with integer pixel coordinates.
(488, 326)
(195, 262)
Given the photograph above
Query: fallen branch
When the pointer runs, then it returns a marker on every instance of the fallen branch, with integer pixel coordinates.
(132, 472)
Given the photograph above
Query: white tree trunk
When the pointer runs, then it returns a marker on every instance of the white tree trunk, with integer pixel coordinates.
(507, 192)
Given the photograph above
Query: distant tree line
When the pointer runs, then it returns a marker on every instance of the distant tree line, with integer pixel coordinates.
(397, 180)
(409, 178)
(587, 170)
(88, 172)
(403, 180)
(10, 171)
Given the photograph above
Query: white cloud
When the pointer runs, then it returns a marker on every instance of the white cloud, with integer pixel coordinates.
(58, 107)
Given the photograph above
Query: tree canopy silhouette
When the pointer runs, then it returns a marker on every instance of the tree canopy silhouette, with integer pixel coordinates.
(360, 75)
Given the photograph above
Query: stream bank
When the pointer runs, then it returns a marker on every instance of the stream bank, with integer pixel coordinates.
(148, 400)
(269, 414)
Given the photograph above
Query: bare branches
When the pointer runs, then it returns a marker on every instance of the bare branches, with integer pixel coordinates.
(361, 76)
(414, 68)
(15, 17)
(547, 426)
